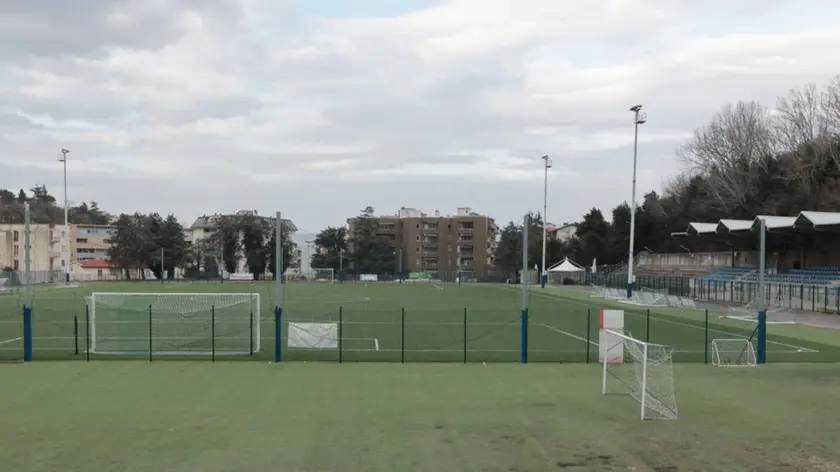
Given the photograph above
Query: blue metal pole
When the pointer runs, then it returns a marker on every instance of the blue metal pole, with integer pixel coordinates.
(761, 354)
(278, 334)
(523, 358)
(27, 334)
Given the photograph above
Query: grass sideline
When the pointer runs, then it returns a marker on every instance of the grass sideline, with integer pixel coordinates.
(187, 416)
(417, 322)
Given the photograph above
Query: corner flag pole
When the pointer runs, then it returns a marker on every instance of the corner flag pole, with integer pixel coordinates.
(278, 282)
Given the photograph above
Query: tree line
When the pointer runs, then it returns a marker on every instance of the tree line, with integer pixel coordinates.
(361, 249)
(139, 240)
(748, 160)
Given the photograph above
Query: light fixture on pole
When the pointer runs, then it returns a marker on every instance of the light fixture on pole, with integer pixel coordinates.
(65, 234)
(546, 166)
(638, 118)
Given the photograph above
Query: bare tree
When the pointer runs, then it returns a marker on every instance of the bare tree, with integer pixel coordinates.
(731, 151)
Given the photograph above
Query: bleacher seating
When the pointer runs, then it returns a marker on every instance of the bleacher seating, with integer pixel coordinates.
(728, 273)
(809, 276)
(671, 271)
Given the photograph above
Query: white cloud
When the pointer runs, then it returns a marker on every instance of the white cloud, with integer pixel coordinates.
(194, 107)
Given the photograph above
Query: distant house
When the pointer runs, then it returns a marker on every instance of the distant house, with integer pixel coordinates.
(205, 225)
(564, 232)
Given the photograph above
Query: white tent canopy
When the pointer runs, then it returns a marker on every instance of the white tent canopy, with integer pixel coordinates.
(566, 265)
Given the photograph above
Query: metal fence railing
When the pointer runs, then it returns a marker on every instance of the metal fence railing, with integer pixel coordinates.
(803, 297)
(369, 335)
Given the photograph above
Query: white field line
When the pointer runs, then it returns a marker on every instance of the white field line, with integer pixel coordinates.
(556, 330)
(437, 287)
(376, 343)
(8, 341)
(711, 330)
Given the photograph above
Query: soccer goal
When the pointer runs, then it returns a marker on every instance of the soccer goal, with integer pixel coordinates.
(737, 352)
(323, 275)
(642, 370)
(177, 324)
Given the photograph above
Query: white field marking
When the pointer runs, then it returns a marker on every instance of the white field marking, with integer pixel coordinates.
(556, 330)
(711, 330)
(556, 351)
(7, 341)
(376, 343)
(437, 287)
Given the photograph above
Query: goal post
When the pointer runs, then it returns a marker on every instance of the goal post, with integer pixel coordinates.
(323, 275)
(736, 352)
(641, 370)
(176, 324)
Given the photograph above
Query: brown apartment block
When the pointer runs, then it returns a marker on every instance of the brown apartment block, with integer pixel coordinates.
(463, 242)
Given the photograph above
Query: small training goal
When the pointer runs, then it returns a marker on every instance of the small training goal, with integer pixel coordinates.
(176, 324)
(644, 371)
(736, 352)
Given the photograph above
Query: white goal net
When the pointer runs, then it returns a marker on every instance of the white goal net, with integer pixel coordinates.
(322, 275)
(737, 352)
(174, 323)
(643, 371)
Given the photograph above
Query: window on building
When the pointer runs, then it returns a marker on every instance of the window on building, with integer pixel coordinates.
(417, 238)
(15, 236)
(81, 240)
(16, 250)
(417, 249)
(16, 264)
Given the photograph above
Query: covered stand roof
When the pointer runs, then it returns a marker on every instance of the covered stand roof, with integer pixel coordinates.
(786, 230)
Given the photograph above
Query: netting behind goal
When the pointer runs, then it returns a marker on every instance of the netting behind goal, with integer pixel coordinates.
(642, 370)
(174, 323)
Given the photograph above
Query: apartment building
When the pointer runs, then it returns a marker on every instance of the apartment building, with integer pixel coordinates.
(90, 242)
(206, 225)
(45, 247)
(465, 241)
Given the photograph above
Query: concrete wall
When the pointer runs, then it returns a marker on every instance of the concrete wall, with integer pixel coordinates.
(712, 260)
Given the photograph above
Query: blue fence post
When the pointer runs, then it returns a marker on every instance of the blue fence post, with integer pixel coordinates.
(760, 356)
(278, 334)
(523, 358)
(27, 334)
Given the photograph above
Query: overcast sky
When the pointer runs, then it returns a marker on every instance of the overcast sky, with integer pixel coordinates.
(318, 108)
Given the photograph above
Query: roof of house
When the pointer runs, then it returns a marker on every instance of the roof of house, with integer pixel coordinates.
(209, 222)
(97, 264)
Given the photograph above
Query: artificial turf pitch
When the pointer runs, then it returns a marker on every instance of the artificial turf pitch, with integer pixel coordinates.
(393, 323)
(368, 417)
(419, 416)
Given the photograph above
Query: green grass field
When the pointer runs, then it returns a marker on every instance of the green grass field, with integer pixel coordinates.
(370, 417)
(135, 415)
(382, 322)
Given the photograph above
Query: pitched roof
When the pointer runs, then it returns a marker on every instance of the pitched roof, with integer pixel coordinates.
(818, 218)
(98, 264)
(734, 225)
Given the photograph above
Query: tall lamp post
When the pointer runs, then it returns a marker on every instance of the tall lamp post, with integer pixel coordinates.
(65, 239)
(546, 166)
(638, 118)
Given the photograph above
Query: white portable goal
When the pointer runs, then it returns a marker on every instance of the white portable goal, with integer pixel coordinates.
(4, 285)
(177, 324)
(323, 275)
(736, 352)
(641, 370)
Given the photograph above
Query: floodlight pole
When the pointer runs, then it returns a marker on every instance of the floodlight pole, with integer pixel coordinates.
(523, 357)
(638, 119)
(27, 306)
(278, 281)
(762, 312)
(66, 240)
(544, 273)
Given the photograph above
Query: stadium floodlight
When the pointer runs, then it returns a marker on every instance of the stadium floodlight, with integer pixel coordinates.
(546, 166)
(639, 118)
(65, 240)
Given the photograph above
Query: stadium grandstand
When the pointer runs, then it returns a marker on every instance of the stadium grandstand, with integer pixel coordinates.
(721, 262)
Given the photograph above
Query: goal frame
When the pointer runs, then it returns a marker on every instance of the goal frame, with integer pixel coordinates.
(316, 270)
(748, 351)
(626, 336)
(254, 319)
